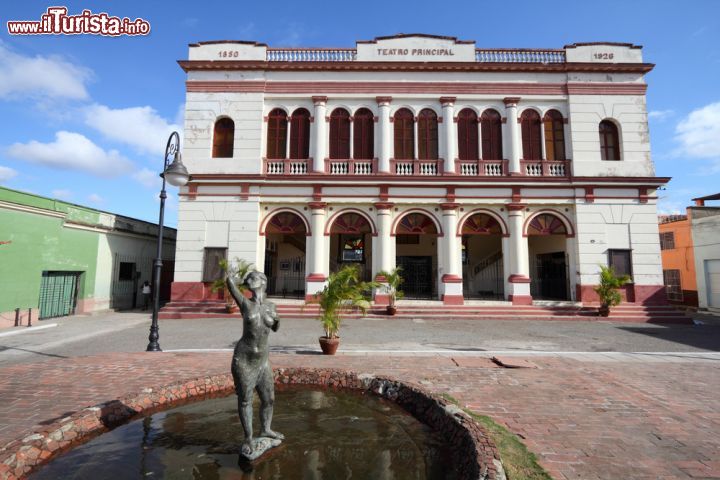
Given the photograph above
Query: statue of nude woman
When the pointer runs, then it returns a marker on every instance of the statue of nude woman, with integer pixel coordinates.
(251, 366)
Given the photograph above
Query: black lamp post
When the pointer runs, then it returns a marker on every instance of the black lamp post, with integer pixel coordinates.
(176, 174)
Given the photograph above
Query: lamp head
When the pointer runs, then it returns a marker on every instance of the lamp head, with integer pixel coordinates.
(176, 174)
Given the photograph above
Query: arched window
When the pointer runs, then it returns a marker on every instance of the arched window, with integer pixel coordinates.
(467, 126)
(300, 134)
(277, 134)
(340, 134)
(609, 141)
(427, 135)
(404, 135)
(363, 141)
(223, 138)
(491, 128)
(530, 127)
(554, 136)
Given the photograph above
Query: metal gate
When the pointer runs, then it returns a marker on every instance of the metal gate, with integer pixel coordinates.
(286, 277)
(550, 281)
(417, 277)
(58, 294)
(484, 280)
(129, 273)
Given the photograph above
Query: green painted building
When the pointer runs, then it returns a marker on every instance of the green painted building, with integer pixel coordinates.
(58, 258)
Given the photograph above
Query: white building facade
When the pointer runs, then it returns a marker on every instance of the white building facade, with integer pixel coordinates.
(484, 174)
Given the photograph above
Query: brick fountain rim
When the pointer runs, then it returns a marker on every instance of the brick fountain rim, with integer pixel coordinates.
(477, 456)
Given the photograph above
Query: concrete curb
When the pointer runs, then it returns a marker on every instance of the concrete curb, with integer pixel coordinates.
(19, 330)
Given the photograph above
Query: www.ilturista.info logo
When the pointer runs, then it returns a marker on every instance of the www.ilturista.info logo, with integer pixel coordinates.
(56, 21)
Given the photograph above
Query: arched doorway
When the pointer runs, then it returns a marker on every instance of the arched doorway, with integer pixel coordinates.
(547, 249)
(285, 235)
(482, 257)
(416, 253)
(351, 242)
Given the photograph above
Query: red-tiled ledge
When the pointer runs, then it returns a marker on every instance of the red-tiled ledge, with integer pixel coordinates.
(477, 457)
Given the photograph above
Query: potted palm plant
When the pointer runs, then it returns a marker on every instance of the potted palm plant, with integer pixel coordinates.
(343, 291)
(393, 280)
(608, 288)
(237, 270)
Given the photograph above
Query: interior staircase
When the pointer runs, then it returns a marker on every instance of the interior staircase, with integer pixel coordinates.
(437, 311)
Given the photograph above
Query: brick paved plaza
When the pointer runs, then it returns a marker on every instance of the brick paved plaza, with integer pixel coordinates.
(606, 416)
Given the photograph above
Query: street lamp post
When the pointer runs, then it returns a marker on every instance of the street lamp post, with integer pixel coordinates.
(175, 174)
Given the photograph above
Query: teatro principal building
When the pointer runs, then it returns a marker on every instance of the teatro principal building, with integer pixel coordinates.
(486, 174)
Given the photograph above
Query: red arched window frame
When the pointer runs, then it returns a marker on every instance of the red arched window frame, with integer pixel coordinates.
(467, 127)
(491, 128)
(300, 134)
(554, 135)
(340, 134)
(530, 128)
(363, 135)
(427, 135)
(277, 134)
(609, 141)
(404, 135)
(223, 138)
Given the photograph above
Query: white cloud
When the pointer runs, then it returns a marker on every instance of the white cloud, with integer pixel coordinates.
(699, 132)
(660, 114)
(140, 127)
(6, 173)
(50, 77)
(72, 151)
(62, 193)
(96, 199)
(148, 178)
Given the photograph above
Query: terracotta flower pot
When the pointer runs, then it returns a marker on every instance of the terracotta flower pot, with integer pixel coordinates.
(329, 345)
(391, 309)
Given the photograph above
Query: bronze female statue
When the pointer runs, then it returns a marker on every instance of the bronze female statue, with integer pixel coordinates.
(251, 365)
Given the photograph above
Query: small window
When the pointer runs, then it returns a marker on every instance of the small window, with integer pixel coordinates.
(673, 288)
(491, 127)
(427, 135)
(404, 127)
(554, 136)
(609, 141)
(211, 264)
(467, 130)
(353, 249)
(277, 134)
(667, 240)
(300, 134)
(223, 138)
(405, 239)
(620, 261)
(126, 271)
(363, 141)
(530, 129)
(339, 134)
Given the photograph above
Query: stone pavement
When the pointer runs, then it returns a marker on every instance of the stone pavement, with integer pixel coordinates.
(586, 418)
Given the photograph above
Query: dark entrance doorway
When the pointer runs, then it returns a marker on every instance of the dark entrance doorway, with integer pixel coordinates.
(284, 265)
(417, 276)
(551, 280)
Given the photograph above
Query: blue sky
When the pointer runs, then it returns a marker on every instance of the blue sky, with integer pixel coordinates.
(85, 117)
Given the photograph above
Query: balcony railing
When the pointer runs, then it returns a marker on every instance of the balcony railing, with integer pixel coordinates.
(425, 168)
(286, 167)
(506, 55)
(545, 168)
(487, 168)
(350, 166)
(416, 167)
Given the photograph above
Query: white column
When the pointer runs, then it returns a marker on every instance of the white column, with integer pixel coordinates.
(543, 151)
(385, 134)
(513, 132)
(449, 131)
(315, 267)
(519, 279)
(320, 137)
(451, 282)
(386, 259)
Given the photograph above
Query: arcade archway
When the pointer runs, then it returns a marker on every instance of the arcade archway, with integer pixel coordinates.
(549, 263)
(482, 257)
(351, 242)
(416, 253)
(285, 243)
